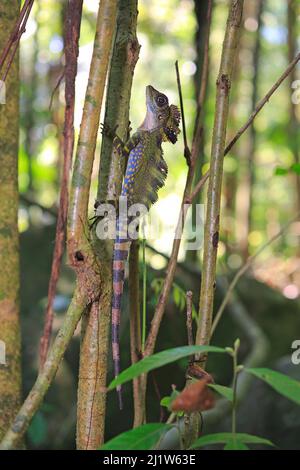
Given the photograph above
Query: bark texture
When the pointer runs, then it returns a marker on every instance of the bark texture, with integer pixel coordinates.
(10, 372)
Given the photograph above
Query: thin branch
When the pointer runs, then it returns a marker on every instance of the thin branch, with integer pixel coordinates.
(60, 79)
(259, 347)
(262, 102)
(81, 254)
(88, 286)
(72, 32)
(187, 153)
(14, 39)
(46, 376)
(123, 61)
(28, 200)
(172, 263)
(14, 34)
(244, 268)
(189, 317)
(79, 198)
(204, 71)
(211, 230)
(250, 120)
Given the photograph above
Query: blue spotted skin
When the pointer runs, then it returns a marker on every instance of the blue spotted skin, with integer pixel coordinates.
(134, 160)
(146, 172)
(138, 187)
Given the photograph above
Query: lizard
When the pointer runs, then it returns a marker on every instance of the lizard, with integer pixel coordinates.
(145, 174)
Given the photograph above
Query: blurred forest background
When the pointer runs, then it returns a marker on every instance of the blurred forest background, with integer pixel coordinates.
(261, 192)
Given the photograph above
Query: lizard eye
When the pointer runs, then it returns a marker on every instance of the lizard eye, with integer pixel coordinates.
(161, 100)
(160, 117)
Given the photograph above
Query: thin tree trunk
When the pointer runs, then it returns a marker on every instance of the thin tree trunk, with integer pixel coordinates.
(293, 125)
(80, 251)
(212, 223)
(72, 30)
(252, 137)
(10, 371)
(91, 392)
(81, 255)
(203, 12)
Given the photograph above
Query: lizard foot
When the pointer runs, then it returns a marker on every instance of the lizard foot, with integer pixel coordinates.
(108, 131)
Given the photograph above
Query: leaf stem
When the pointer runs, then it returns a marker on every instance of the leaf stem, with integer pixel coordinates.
(234, 386)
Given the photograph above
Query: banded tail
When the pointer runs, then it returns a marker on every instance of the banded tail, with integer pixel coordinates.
(120, 254)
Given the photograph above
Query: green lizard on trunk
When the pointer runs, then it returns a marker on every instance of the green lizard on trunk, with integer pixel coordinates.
(145, 173)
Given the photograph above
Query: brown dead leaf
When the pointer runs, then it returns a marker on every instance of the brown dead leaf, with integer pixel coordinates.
(195, 397)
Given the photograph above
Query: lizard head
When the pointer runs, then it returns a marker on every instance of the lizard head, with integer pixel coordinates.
(161, 114)
(158, 109)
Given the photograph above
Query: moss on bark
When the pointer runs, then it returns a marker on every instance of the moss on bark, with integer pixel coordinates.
(10, 372)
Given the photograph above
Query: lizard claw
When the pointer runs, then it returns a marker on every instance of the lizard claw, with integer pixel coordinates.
(108, 131)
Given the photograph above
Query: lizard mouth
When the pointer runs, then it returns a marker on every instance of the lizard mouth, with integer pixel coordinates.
(149, 91)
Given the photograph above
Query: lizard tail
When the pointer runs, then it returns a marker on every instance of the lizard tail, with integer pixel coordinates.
(121, 248)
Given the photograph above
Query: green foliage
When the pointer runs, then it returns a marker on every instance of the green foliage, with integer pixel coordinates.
(37, 431)
(295, 168)
(224, 391)
(168, 400)
(160, 359)
(286, 386)
(141, 438)
(235, 445)
(178, 294)
(145, 437)
(232, 443)
(282, 171)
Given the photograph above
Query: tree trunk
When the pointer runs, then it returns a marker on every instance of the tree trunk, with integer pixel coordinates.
(10, 371)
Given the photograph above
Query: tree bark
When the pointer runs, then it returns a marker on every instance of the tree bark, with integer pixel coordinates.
(10, 372)
(211, 233)
(93, 360)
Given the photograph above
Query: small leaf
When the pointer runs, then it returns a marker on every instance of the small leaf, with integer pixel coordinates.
(142, 438)
(194, 312)
(226, 437)
(224, 391)
(286, 386)
(167, 401)
(160, 359)
(235, 445)
(37, 431)
(176, 296)
(229, 351)
(296, 168)
(195, 397)
(280, 171)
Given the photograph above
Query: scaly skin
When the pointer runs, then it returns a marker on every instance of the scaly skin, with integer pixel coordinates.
(145, 173)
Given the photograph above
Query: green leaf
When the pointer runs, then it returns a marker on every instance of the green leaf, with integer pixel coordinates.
(286, 386)
(176, 296)
(37, 431)
(235, 445)
(142, 438)
(224, 391)
(167, 401)
(160, 359)
(280, 171)
(296, 168)
(226, 437)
